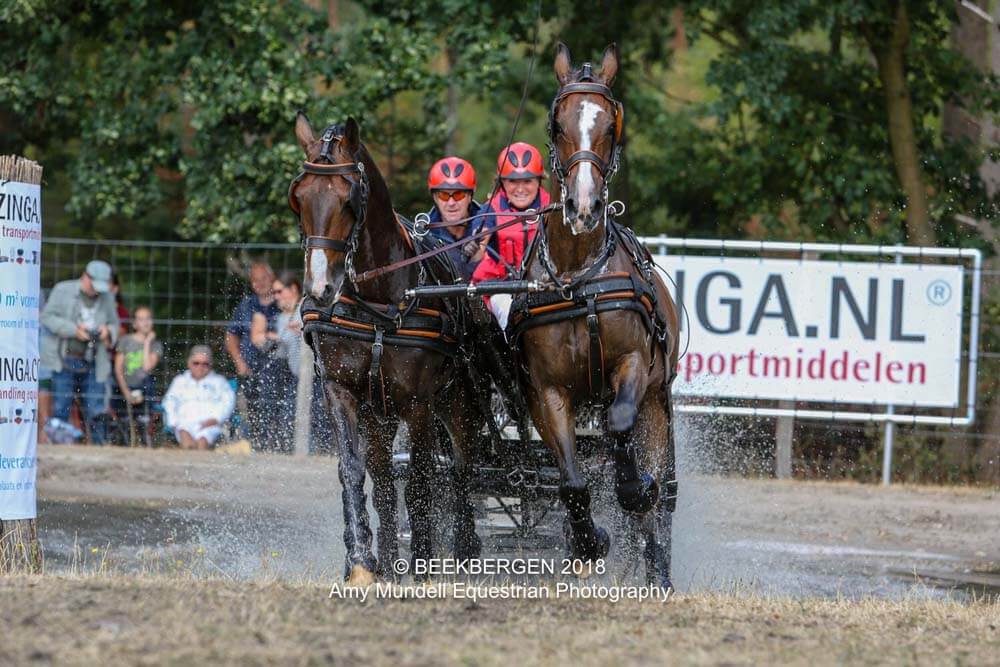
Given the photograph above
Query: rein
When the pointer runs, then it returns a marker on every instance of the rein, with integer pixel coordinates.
(381, 271)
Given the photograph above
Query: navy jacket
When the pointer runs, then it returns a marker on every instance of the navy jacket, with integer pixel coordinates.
(465, 267)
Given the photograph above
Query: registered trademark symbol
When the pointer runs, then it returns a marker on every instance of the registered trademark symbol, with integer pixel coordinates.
(939, 292)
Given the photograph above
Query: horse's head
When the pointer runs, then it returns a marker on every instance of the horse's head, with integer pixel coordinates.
(585, 128)
(330, 197)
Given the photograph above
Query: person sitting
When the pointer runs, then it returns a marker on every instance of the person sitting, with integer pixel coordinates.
(136, 356)
(521, 172)
(198, 402)
(452, 184)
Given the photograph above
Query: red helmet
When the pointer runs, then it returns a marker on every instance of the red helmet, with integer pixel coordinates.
(520, 160)
(451, 173)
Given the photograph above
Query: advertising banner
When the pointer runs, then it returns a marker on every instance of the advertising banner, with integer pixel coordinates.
(814, 330)
(20, 257)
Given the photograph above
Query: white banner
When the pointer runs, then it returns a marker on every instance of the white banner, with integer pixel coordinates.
(810, 330)
(20, 259)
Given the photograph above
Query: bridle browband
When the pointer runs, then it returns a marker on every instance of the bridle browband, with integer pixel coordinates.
(354, 173)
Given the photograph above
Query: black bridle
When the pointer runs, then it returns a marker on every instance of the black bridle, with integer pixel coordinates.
(585, 86)
(354, 173)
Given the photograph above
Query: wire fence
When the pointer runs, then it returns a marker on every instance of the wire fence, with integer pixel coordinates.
(193, 288)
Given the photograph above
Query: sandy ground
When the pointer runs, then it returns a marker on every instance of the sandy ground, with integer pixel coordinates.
(243, 516)
(99, 620)
(171, 557)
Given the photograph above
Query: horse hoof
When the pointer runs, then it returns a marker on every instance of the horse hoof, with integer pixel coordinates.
(360, 577)
(638, 496)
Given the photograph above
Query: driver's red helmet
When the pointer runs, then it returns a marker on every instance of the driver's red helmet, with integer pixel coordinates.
(451, 173)
(521, 160)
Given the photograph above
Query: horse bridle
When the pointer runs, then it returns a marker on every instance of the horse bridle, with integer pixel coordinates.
(586, 85)
(357, 199)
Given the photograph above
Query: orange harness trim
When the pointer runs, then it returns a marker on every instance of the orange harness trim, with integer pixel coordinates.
(361, 326)
(607, 296)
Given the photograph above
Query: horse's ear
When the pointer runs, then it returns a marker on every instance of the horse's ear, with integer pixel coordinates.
(304, 132)
(609, 64)
(352, 134)
(564, 64)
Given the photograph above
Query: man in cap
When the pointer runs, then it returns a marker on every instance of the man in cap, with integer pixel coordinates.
(83, 320)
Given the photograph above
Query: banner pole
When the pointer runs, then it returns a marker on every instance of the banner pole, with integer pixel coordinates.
(20, 283)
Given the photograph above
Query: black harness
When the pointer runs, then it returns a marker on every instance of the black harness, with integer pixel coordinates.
(594, 291)
(591, 294)
(401, 325)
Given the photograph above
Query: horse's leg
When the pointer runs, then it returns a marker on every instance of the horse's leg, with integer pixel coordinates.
(552, 412)
(379, 436)
(360, 564)
(420, 423)
(464, 421)
(637, 491)
(654, 438)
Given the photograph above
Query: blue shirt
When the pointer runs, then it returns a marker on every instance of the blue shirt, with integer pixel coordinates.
(464, 266)
(240, 324)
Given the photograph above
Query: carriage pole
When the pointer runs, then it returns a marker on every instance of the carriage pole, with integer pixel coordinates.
(20, 282)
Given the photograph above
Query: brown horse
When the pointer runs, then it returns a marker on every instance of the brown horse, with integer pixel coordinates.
(383, 358)
(607, 335)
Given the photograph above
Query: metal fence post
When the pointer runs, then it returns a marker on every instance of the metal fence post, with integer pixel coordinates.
(303, 401)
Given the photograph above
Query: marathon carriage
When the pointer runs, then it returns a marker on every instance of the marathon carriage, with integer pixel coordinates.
(512, 423)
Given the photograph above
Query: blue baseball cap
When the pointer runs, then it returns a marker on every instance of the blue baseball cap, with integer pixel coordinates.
(100, 275)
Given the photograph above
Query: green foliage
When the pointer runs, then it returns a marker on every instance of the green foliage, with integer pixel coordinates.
(160, 118)
(801, 114)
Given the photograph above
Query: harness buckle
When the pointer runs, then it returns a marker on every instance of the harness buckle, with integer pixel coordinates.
(421, 222)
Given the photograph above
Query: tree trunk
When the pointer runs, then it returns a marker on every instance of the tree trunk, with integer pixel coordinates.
(890, 55)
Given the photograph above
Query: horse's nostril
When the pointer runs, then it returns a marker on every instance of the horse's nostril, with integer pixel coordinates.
(598, 205)
(571, 205)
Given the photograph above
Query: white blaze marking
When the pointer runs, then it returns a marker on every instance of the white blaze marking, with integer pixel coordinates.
(318, 269)
(584, 172)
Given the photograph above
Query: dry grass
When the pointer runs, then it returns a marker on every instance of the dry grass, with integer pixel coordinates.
(186, 620)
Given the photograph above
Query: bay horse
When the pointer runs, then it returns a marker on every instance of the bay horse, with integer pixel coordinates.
(605, 334)
(382, 358)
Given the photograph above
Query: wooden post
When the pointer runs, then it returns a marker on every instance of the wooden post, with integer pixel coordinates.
(783, 442)
(20, 550)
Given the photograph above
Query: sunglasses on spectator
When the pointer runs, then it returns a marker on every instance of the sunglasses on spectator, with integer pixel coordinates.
(201, 363)
(444, 195)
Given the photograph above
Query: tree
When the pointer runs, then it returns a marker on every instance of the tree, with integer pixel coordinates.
(817, 97)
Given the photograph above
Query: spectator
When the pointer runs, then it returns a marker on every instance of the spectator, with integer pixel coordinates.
(198, 402)
(81, 316)
(251, 361)
(123, 315)
(280, 348)
(136, 355)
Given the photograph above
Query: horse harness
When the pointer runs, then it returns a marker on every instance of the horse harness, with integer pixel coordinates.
(591, 294)
(406, 324)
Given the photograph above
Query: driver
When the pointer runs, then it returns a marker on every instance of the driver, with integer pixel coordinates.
(452, 183)
(521, 173)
